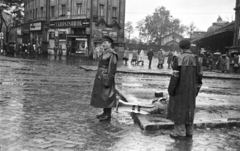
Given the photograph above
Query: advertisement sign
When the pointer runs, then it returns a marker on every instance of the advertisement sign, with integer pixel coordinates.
(113, 34)
(70, 23)
(36, 26)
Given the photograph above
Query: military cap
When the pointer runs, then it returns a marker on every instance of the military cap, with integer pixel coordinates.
(107, 38)
(185, 43)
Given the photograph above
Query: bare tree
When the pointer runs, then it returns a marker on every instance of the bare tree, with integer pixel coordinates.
(128, 29)
(190, 29)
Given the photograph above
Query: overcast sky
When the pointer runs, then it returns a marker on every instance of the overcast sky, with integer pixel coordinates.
(202, 12)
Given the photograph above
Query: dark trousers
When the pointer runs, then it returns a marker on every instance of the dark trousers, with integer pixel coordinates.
(107, 110)
(183, 129)
(150, 63)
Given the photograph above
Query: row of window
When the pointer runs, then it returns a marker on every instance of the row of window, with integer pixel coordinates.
(102, 10)
(33, 14)
(63, 10)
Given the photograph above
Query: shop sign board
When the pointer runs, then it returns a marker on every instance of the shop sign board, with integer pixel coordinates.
(36, 26)
(70, 23)
(113, 34)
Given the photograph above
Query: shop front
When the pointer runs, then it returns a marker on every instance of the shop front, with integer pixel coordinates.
(70, 32)
(25, 33)
(36, 32)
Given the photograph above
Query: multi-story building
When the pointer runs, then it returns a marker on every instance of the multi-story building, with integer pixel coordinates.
(80, 23)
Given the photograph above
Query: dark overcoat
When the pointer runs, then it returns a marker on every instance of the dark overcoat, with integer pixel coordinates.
(104, 94)
(183, 88)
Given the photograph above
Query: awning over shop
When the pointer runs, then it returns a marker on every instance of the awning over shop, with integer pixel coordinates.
(218, 40)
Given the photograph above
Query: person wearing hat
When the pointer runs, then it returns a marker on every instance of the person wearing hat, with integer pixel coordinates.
(103, 93)
(183, 88)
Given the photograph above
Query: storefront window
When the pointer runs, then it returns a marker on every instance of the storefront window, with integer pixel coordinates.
(62, 35)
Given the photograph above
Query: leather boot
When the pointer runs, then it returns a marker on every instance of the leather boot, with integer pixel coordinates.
(100, 115)
(105, 117)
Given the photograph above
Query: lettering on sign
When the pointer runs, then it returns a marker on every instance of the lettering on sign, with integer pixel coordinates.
(70, 23)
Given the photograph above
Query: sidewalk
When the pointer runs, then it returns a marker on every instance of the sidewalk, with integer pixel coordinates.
(218, 114)
(138, 69)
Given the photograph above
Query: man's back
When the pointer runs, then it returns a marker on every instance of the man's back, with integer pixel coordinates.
(150, 54)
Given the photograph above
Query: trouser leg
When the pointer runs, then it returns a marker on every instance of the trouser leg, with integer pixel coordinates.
(189, 129)
(180, 130)
(107, 110)
(150, 62)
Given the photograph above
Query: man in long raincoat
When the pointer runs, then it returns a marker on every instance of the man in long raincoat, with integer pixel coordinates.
(183, 88)
(104, 94)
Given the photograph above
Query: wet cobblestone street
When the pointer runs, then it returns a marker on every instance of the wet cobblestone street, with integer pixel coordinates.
(44, 105)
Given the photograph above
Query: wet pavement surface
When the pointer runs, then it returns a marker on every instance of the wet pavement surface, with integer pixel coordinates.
(44, 105)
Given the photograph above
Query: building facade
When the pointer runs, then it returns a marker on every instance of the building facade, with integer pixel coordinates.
(197, 34)
(79, 23)
(171, 40)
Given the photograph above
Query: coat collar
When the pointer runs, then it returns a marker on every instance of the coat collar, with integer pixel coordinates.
(186, 51)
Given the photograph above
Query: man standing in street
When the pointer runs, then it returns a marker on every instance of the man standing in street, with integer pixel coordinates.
(183, 88)
(68, 50)
(169, 61)
(104, 91)
(150, 56)
(55, 49)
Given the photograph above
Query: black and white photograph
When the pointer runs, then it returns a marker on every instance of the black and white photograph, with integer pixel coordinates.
(119, 75)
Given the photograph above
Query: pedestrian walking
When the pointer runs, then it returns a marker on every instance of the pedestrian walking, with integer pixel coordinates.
(170, 57)
(98, 50)
(94, 53)
(210, 61)
(183, 88)
(150, 56)
(39, 50)
(60, 51)
(141, 57)
(69, 49)
(134, 57)
(30, 49)
(225, 63)
(160, 58)
(126, 56)
(55, 49)
(235, 63)
(219, 63)
(104, 93)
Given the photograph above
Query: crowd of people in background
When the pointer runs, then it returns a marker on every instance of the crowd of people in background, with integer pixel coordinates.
(224, 63)
(138, 57)
(24, 50)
